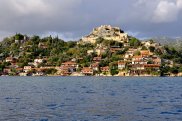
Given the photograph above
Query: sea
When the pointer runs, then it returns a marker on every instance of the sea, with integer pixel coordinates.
(90, 98)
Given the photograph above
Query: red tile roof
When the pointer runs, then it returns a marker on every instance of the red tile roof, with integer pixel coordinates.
(87, 70)
(69, 63)
(104, 68)
(137, 56)
(121, 63)
(151, 65)
(95, 65)
(97, 58)
(144, 52)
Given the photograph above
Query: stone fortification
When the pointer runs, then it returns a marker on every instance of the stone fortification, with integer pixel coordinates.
(108, 33)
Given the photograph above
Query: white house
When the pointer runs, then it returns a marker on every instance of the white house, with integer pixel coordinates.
(121, 65)
(37, 62)
(27, 68)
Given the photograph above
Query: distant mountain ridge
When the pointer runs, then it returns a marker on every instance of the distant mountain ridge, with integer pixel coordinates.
(175, 42)
(166, 40)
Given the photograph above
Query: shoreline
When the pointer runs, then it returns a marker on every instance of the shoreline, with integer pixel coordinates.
(88, 76)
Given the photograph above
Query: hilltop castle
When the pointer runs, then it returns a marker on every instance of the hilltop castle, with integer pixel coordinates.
(106, 32)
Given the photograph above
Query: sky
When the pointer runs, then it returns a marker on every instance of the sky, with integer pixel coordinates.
(72, 19)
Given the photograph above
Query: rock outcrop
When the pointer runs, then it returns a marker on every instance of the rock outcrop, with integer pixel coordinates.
(106, 32)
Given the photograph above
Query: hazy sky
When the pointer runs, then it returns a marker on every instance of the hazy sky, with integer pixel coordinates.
(71, 19)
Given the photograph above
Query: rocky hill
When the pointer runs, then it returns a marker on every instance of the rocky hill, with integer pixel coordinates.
(106, 32)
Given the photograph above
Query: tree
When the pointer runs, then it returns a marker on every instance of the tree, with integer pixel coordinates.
(151, 41)
(54, 51)
(53, 60)
(152, 48)
(180, 69)
(113, 68)
(99, 40)
(19, 37)
(158, 52)
(72, 51)
(71, 44)
(104, 63)
(114, 72)
(174, 70)
(164, 70)
(144, 48)
(121, 52)
(150, 62)
(115, 57)
(4, 64)
(35, 39)
(134, 42)
(50, 71)
(1, 67)
(137, 53)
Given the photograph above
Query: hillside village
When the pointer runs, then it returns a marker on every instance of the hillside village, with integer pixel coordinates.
(106, 51)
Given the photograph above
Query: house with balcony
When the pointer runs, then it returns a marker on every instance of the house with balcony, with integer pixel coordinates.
(87, 71)
(10, 59)
(27, 68)
(95, 66)
(145, 53)
(69, 64)
(97, 59)
(37, 62)
(121, 65)
(129, 53)
(105, 69)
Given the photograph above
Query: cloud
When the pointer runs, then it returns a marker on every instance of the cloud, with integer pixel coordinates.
(133, 33)
(29, 6)
(76, 18)
(4, 34)
(167, 11)
(179, 4)
(36, 15)
(65, 36)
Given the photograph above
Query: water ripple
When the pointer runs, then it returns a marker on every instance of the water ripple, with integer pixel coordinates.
(90, 99)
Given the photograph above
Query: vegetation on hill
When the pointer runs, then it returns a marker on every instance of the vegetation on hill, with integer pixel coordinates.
(56, 51)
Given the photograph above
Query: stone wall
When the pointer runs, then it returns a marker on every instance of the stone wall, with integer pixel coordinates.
(106, 32)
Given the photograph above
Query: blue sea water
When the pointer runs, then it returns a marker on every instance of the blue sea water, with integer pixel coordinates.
(90, 99)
